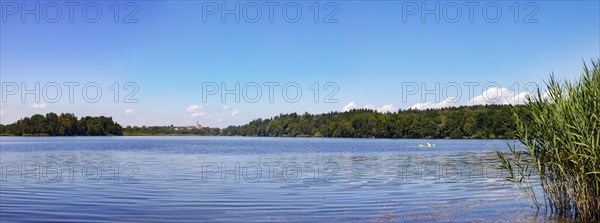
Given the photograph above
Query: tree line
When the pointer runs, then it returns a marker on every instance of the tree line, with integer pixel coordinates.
(65, 124)
(170, 130)
(483, 121)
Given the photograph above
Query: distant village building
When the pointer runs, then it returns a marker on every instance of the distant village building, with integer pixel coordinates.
(197, 126)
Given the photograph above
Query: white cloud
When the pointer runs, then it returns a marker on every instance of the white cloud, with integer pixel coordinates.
(38, 106)
(370, 106)
(235, 113)
(387, 108)
(193, 108)
(521, 98)
(448, 102)
(496, 96)
(130, 111)
(226, 107)
(499, 96)
(349, 107)
(199, 115)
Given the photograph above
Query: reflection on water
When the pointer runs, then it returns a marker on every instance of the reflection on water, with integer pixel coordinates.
(233, 179)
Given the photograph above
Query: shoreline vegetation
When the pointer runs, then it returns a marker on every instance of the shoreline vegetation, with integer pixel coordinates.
(561, 148)
(465, 122)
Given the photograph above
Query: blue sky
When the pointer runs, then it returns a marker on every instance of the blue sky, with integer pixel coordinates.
(368, 53)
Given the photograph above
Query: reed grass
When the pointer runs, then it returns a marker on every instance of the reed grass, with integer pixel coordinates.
(561, 138)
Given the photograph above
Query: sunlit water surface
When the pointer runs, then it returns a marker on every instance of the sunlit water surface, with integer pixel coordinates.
(238, 179)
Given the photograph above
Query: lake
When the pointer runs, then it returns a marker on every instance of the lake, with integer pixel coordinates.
(246, 179)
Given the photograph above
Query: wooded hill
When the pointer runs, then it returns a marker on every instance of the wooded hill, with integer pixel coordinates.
(65, 124)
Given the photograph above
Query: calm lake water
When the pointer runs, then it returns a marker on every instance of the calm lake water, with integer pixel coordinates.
(241, 179)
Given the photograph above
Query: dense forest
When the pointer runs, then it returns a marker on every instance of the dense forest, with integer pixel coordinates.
(65, 124)
(489, 121)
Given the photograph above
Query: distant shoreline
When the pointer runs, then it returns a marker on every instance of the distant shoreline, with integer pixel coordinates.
(313, 137)
(465, 122)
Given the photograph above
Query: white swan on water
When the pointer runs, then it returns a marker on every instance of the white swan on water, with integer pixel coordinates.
(426, 145)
